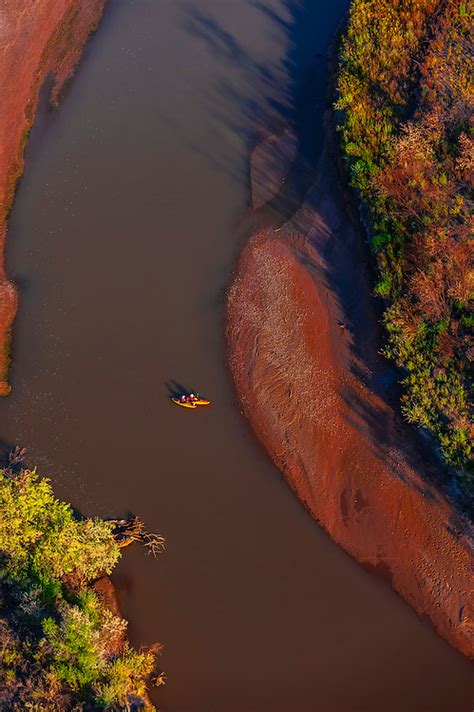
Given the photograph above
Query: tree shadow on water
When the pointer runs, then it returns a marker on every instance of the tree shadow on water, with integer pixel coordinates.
(250, 97)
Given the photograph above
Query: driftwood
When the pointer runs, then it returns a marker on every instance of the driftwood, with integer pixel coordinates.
(159, 680)
(16, 456)
(15, 461)
(130, 530)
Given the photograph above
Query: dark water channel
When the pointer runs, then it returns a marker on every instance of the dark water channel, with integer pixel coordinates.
(122, 241)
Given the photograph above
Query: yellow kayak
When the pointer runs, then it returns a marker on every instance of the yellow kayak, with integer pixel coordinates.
(186, 404)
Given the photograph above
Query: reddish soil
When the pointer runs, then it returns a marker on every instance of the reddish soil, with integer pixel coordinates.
(106, 594)
(105, 591)
(303, 340)
(37, 37)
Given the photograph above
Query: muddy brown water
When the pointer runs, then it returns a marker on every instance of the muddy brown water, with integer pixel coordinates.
(122, 241)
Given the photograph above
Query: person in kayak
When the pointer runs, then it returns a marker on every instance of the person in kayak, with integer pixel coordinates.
(192, 397)
(183, 399)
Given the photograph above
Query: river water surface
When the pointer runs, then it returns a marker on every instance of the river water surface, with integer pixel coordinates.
(122, 241)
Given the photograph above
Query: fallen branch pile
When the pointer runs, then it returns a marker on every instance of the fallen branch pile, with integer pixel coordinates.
(132, 529)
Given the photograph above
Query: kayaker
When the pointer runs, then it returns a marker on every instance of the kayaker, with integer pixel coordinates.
(183, 399)
(192, 397)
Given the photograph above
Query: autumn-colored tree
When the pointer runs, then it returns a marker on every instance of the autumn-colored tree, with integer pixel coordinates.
(406, 95)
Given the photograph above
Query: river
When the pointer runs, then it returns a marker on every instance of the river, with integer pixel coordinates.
(122, 240)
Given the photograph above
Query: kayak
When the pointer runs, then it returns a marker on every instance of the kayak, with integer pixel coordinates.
(186, 404)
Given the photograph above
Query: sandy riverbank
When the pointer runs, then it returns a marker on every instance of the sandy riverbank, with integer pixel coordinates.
(303, 340)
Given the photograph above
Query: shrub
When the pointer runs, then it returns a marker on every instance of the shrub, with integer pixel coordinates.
(40, 536)
(129, 671)
(61, 648)
(405, 90)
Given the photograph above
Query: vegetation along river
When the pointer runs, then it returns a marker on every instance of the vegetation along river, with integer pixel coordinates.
(122, 240)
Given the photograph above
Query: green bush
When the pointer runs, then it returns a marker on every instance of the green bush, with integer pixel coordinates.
(127, 672)
(60, 646)
(40, 536)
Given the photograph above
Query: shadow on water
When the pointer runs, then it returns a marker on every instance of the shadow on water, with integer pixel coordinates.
(291, 91)
(6, 448)
(176, 389)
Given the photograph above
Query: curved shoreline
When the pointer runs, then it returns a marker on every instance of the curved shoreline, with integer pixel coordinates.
(302, 343)
(39, 39)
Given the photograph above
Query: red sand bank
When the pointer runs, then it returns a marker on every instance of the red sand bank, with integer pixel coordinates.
(303, 341)
(36, 37)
